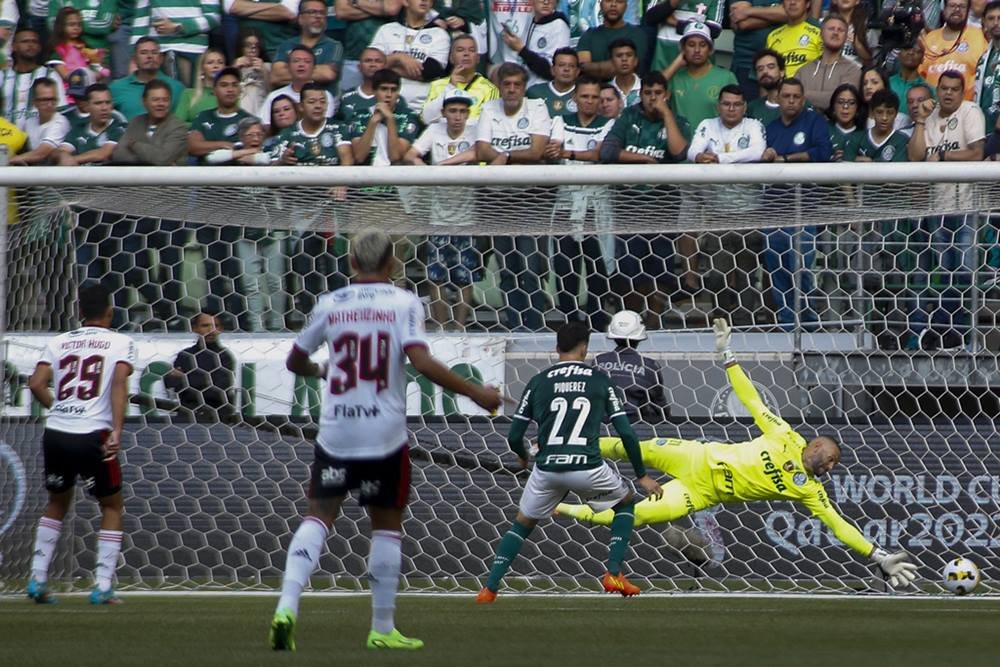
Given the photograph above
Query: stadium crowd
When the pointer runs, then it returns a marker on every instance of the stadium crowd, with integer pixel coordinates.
(447, 82)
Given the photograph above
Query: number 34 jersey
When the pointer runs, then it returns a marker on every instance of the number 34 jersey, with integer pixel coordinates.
(83, 365)
(569, 401)
(367, 328)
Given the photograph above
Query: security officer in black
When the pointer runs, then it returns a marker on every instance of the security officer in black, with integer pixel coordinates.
(204, 375)
(635, 375)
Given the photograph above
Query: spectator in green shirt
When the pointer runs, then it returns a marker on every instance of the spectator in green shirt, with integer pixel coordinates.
(595, 57)
(694, 88)
(127, 92)
(201, 97)
(329, 54)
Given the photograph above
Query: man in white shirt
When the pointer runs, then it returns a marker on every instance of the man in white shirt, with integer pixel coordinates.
(515, 130)
(371, 329)
(547, 32)
(728, 138)
(954, 130)
(451, 259)
(416, 48)
(576, 139)
(46, 129)
(16, 80)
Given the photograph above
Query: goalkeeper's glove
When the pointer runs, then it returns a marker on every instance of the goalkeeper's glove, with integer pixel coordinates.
(896, 567)
(722, 334)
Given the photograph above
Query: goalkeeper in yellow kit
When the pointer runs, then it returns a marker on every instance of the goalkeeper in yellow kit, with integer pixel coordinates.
(778, 465)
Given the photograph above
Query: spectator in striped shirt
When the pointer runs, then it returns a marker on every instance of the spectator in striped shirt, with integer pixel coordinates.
(181, 27)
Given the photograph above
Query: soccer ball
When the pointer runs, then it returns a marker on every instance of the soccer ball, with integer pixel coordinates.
(961, 576)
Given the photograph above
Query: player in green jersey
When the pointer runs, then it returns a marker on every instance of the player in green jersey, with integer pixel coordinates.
(569, 401)
(778, 465)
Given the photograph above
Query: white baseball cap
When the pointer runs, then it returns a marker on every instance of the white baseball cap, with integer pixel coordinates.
(700, 29)
(626, 325)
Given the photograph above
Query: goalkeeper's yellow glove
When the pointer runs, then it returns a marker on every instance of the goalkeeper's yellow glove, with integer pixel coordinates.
(896, 567)
(723, 332)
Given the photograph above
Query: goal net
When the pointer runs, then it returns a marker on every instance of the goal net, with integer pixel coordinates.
(864, 301)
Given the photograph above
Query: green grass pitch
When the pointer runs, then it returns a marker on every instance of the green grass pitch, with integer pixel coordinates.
(565, 631)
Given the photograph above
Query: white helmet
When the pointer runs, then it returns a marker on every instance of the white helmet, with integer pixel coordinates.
(626, 325)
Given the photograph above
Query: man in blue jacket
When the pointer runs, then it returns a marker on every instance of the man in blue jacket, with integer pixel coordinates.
(797, 135)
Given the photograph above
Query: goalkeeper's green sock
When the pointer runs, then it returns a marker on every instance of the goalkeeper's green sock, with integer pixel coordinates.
(621, 531)
(509, 547)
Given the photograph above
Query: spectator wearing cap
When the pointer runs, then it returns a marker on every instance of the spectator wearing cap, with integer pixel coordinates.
(820, 77)
(797, 135)
(181, 27)
(558, 93)
(576, 139)
(547, 33)
(46, 128)
(694, 87)
(464, 79)
(415, 48)
(328, 53)
(301, 65)
(669, 19)
(595, 57)
(216, 129)
(128, 92)
(93, 141)
(625, 59)
(637, 377)
(454, 262)
(799, 39)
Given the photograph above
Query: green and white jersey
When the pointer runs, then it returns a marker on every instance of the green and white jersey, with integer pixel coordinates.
(667, 38)
(840, 138)
(639, 134)
(574, 136)
(318, 148)
(408, 127)
(15, 93)
(218, 127)
(356, 104)
(82, 138)
(76, 118)
(195, 17)
(890, 149)
(359, 34)
(569, 401)
(696, 98)
(557, 103)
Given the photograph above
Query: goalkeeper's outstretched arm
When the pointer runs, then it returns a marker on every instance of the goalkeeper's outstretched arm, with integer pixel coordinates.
(767, 421)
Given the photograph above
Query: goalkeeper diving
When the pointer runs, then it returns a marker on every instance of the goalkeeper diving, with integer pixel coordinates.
(778, 465)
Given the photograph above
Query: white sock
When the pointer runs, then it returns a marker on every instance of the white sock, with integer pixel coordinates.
(109, 545)
(303, 557)
(46, 541)
(383, 573)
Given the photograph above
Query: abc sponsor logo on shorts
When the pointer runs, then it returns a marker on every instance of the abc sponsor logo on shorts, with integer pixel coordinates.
(333, 476)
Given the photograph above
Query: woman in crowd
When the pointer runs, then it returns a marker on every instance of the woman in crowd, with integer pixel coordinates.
(844, 113)
(201, 98)
(255, 71)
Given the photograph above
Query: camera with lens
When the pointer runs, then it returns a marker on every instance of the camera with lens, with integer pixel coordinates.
(901, 24)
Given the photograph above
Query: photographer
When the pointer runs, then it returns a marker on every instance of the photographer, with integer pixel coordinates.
(898, 26)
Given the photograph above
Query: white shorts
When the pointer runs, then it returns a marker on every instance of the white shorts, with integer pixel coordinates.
(601, 487)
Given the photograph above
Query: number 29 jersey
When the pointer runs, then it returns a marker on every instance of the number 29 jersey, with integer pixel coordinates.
(83, 365)
(367, 328)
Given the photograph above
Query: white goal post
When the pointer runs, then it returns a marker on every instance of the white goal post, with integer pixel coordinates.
(211, 504)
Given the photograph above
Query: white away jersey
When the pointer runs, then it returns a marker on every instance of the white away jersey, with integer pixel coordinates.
(513, 133)
(427, 42)
(744, 142)
(367, 328)
(454, 206)
(83, 365)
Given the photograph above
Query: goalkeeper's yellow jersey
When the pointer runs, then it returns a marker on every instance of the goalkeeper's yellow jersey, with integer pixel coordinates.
(769, 467)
